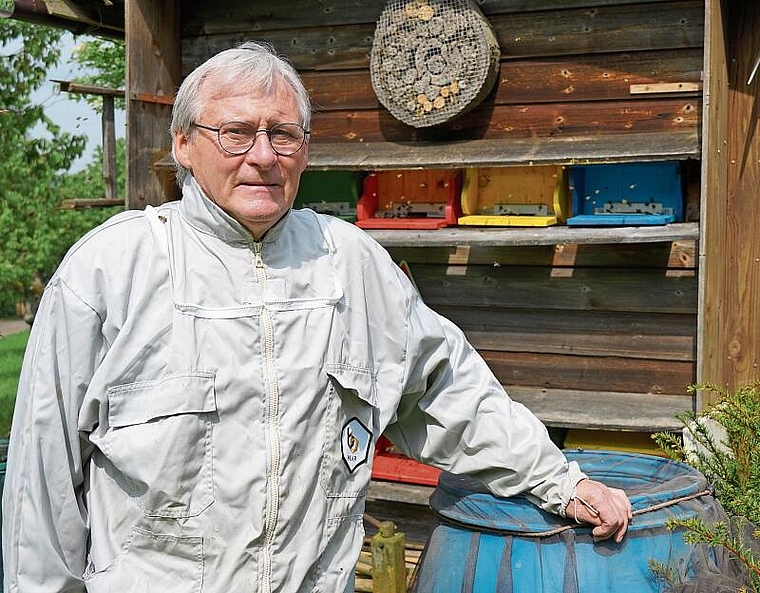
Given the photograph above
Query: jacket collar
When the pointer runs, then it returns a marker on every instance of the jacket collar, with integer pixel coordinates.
(207, 217)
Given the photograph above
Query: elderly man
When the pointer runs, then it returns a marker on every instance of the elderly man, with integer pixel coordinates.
(206, 380)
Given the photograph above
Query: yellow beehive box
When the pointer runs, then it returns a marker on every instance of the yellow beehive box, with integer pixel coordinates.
(612, 440)
(531, 196)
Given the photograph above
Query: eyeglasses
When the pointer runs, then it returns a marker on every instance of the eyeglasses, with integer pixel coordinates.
(238, 137)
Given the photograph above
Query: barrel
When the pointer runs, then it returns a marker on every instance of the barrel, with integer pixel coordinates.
(484, 544)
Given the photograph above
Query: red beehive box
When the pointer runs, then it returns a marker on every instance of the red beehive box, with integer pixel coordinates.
(410, 199)
(391, 466)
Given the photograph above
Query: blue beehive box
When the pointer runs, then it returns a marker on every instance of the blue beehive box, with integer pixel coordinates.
(330, 192)
(629, 194)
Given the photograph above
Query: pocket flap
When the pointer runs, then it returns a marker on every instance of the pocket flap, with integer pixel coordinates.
(360, 381)
(137, 403)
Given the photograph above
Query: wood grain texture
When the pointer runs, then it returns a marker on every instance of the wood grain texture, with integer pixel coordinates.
(539, 120)
(204, 18)
(591, 77)
(570, 149)
(592, 373)
(729, 342)
(602, 409)
(153, 67)
(641, 335)
(334, 43)
(583, 289)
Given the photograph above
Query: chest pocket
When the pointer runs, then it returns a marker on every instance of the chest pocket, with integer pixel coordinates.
(159, 440)
(350, 432)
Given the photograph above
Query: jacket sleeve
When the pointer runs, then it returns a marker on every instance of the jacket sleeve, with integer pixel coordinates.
(44, 511)
(455, 415)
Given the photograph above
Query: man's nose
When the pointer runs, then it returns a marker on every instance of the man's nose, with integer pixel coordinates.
(261, 154)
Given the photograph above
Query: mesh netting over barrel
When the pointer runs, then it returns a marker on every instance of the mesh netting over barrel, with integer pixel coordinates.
(485, 544)
(432, 60)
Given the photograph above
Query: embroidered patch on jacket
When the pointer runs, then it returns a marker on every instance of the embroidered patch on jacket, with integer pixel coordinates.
(355, 439)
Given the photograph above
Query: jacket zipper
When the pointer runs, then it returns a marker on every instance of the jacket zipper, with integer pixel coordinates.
(272, 395)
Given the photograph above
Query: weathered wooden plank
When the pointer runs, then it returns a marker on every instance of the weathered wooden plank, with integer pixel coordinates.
(547, 120)
(68, 86)
(592, 77)
(394, 492)
(661, 348)
(602, 29)
(730, 342)
(153, 67)
(584, 289)
(606, 410)
(85, 204)
(489, 236)
(591, 373)
(671, 255)
(204, 18)
(633, 27)
(575, 149)
(641, 334)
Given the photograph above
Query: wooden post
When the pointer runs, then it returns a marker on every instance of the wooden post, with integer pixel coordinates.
(109, 148)
(153, 75)
(388, 563)
(728, 340)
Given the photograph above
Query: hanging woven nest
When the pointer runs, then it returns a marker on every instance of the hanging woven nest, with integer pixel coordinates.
(432, 60)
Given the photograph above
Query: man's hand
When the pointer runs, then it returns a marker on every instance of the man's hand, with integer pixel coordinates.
(607, 508)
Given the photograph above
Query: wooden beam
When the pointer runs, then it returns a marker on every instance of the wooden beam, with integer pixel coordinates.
(68, 86)
(109, 147)
(153, 70)
(567, 150)
(603, 410)
(105, 17)
(558, 235)
(728, 340)
(85, 204)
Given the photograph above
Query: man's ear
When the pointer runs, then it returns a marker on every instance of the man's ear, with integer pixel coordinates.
(181, 149)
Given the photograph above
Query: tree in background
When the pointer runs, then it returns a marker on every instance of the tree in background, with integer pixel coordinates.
(105, 62)
(36, 232)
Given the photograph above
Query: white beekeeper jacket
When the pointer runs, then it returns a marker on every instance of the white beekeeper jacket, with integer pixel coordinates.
(198, 411)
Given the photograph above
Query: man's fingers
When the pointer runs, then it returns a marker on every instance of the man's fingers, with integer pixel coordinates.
(608, 509)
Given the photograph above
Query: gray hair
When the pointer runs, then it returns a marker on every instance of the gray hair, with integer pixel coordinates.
(250, 65)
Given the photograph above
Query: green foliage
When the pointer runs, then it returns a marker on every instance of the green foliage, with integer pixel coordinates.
(730, 462)
(36, 232)
(11, 356)
(88, 183)
(105, 61)
(723, 442)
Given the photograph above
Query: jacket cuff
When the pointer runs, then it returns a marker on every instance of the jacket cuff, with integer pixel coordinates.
(573, 476)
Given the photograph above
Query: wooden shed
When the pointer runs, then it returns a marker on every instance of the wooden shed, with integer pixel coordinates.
(592, 328)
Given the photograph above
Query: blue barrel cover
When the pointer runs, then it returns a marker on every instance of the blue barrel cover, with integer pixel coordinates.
(482, 543)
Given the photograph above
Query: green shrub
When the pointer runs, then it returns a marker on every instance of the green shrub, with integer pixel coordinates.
(723, 442)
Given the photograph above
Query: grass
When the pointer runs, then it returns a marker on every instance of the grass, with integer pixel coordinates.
(11, 355)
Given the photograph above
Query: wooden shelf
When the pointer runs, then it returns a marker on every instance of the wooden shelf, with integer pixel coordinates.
(556, 235)
(566, 150)
(607, 410)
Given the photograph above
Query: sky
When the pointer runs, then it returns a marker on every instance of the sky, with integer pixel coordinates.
(74, 116)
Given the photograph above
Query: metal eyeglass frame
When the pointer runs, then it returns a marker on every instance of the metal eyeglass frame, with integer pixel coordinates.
(256, 132)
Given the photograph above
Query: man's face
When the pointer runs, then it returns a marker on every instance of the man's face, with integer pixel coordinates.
(255, 188)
